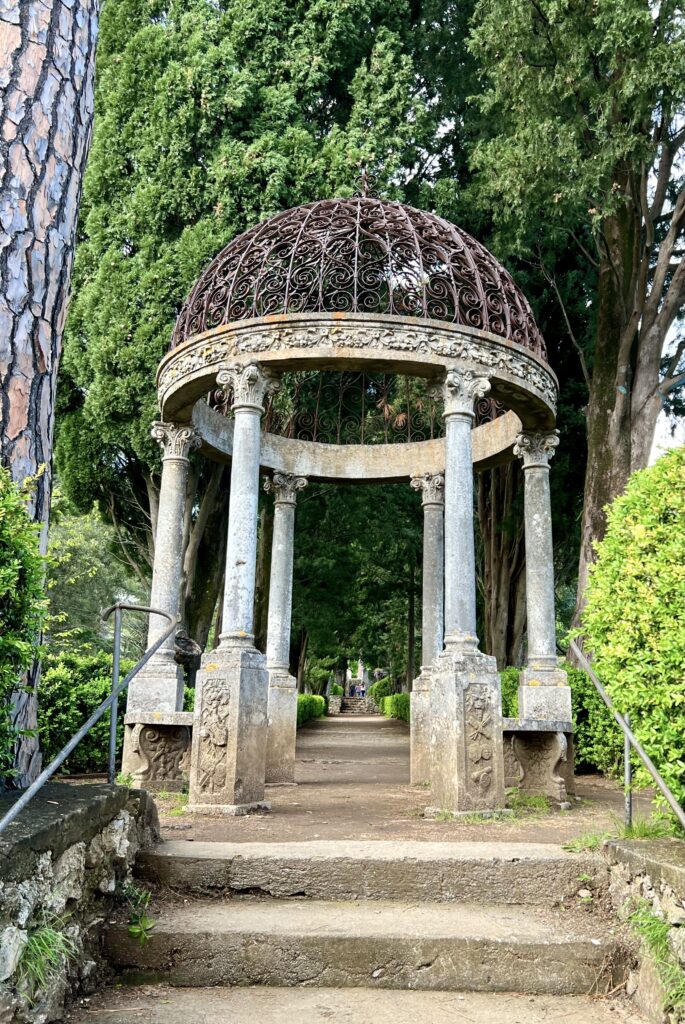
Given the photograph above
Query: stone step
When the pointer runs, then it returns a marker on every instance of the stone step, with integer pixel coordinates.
(429, 947)
(162, 1005)
(515, 873)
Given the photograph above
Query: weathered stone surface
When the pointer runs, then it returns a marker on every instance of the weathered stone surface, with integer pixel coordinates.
(540, 755)
(157, 750)
(663, 860)
(281, 727)
(517, 873)
(12, 942)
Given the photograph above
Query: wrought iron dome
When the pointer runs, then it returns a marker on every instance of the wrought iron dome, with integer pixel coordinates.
(359, 255)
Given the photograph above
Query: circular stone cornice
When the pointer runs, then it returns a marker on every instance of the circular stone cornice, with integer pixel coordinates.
(359, 255)
(520, 380)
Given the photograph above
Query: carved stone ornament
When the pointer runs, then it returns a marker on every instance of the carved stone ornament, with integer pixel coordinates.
(163, 755)
(432, 487)
(176, 441)
(541, 757)
(285, 487)
(536, 449)
(249, 385)
(461, 391)
(213, 738)
(479, 739)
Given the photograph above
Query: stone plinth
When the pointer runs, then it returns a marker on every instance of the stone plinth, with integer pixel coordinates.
(157, 749)
(539, 757)
(420, 730)
(229, 732)
(467, 755)
(282, 728)
(544, 694)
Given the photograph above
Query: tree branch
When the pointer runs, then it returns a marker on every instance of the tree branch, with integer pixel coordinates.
(551, 279)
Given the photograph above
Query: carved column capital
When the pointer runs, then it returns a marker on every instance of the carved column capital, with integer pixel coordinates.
(285, 487)
(176, 441)
(536, 449)
(431, 486)
(249, 385)
(461, 390)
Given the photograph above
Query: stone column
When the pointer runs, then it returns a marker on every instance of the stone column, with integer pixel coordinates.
(431, 486)
(467, 753)
(282, 712)
(229, 727)
(159, 686)
(544, 692)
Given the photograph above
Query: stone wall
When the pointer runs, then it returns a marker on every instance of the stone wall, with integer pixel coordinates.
(334, 705)
(650, 874)
(62, 864)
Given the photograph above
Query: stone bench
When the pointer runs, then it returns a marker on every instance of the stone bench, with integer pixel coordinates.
(538, 757)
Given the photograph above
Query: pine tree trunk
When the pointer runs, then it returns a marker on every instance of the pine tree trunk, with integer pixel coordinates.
(47, 67)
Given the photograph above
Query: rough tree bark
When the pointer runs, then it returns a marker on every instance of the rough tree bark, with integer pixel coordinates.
(47, 66)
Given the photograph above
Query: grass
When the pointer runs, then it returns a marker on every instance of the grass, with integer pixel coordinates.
(525, 805)
(659, 826)
(180, 804)
(47, 950)
(587, 842)
(654, 931)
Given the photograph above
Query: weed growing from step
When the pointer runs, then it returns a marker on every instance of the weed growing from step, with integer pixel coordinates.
(659, 826)
(47, 950)
(586, 843)
(654, 931)
(140, 924)
(124, 779)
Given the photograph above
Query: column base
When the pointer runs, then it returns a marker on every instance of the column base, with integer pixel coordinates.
(420, 730)
(229, 731)
(545, 694)
(157, 750)
(467, 755)
(236, 810)
(158, 687)
(282, 728)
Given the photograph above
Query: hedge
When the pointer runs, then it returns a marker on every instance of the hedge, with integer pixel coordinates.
(395, 705)
(383, 688)
(309, 705)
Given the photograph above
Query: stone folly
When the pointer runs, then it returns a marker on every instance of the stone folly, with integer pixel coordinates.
(333, 287)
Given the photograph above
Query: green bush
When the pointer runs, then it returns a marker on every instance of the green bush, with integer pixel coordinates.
(335, 690)
(71, 688)
(383, 688)
(634, 619)
(510, 692)
(22, 605)
(309, 705)
(396, 705)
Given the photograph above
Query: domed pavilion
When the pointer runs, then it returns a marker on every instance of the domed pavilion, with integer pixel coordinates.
(343, 294)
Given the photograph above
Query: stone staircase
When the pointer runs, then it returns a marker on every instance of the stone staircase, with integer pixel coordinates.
(427, 916)
(357, 706)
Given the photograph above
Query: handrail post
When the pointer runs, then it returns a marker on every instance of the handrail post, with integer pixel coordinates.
(627, 778)
(113, 713)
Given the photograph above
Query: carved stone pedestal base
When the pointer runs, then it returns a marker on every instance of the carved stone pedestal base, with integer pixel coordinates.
(157, 750)
(420, 730)
(544, 695)
(539, 758)
(467, 757)
(229, 732)
(282, 728)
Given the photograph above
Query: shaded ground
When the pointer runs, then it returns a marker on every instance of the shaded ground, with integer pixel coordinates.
(353, 783)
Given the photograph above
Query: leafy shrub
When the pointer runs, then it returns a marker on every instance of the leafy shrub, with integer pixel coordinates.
(383, 688)
(72, 687)
(22, 605)
(510, 692)
(396, 705)
(309, 705)
(335, 690)
(634, 618)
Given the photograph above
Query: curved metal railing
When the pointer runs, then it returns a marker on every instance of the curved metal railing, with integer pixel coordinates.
(630, 741)
(111, 701)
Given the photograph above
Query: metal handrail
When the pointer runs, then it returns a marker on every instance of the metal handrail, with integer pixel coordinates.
(48, 772)
(631, 741)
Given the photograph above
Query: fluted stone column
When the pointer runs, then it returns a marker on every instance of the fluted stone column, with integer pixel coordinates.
(229, 728)
(544, 692)
(467, 754)
(431, 486)
(282, 711)
(159, 687)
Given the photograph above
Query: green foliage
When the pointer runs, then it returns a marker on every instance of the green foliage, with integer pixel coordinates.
(47, 951)
(396, 705)
(72, 687)
(510, 692)
(310, 705)
(634, 619)
(140, 924)
(336, 690)
(318, 672)
(658, 826)
(587, 842)
(654, 931)
(526, 805)
(22, 605)
(383, 688)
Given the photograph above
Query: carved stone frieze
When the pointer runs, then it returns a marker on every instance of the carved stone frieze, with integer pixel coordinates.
(462, 389)
(479, 720)
(176, 441)
(284, 487)
(487, 356)
(159, 756)
(432, 487)
(213, 737)
(541, 757)
(536, 449)
(249, 385)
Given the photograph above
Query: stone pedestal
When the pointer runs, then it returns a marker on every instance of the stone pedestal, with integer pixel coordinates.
(466, 734)
(157, 750)
(420, 730)
(281, 729)
(229, 732)
(539, 758)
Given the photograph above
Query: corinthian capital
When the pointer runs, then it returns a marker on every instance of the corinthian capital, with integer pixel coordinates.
(176, 441)
(431, 486)
(461, 390)
(284, 487)
(249, 385)
(536, 449)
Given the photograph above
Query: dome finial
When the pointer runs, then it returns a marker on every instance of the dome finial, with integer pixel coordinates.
(365, 184)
